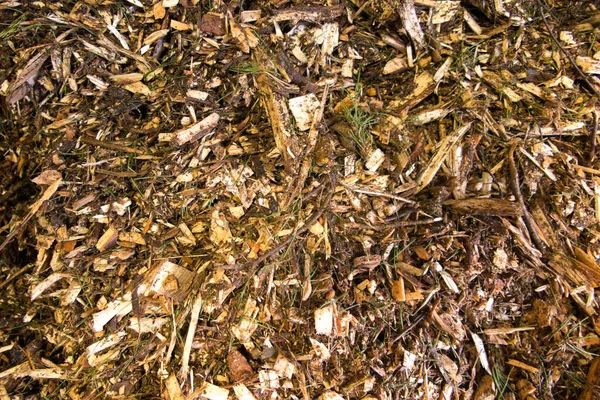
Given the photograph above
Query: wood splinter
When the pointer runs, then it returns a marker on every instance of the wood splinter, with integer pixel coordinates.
(514, 184)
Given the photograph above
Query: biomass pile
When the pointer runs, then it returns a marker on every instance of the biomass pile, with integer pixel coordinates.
(261, 199)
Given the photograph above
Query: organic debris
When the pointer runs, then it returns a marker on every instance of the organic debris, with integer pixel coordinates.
(380, 199)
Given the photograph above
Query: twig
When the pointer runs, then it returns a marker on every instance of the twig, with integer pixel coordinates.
(187, 348)
(357, 13)
(396, 224)
(514, 185)
(300, 231)
(117, 174)
(593, 139)
(569, 56)
(377, 193)
(109, 145)
(420, 318)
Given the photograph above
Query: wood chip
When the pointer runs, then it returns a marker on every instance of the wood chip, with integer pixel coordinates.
(108, 239)
(197, 131)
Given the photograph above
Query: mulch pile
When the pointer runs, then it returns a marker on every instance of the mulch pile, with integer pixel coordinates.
(344, 199)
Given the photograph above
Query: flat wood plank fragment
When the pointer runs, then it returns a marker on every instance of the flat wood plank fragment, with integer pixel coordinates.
(588, 65)
(397, 64)
(242, 392)
(27, 74)
(117, 308)
(169, 279)
(124, 79)
(324, 318)
(247, 324)
(580, 274)
(213, 392)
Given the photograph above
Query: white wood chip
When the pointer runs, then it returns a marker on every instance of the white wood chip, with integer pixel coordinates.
(445, 11)
(283, 367)
(472, 23)
(242, 392)
(303, 109)
(479, 345)
(588, 65)
(247, 324)
(330, 395)
(197, 95)
(154, 36)
(411, 22)
(250, 15)
(138, 88)
(118, 35)
(214, 392)
(374, 160)
(119, 307)
(324, 320)
(321, 351)
(441, 72)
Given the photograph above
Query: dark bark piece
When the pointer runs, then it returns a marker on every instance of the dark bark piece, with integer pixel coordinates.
(239, 368)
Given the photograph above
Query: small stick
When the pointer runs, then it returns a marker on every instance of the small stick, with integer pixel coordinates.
(308, 157)
(109, 145)
(377, 193)
(514, 185)
(189, 339)
(396, 224)
(593, 139)
(420, 318)
(117, 174)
